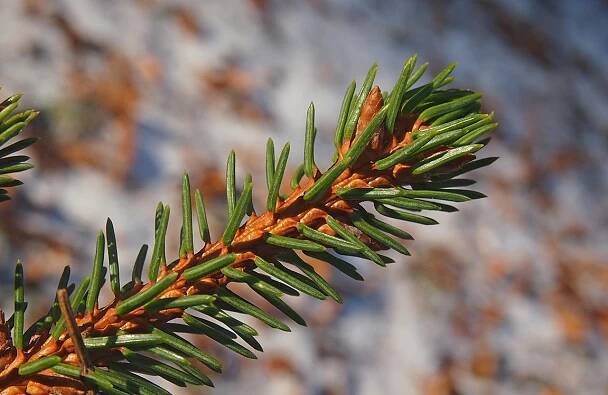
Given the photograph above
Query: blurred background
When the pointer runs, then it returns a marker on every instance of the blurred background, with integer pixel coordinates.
(508, 296)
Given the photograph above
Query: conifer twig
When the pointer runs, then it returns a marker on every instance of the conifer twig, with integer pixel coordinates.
(401, 153)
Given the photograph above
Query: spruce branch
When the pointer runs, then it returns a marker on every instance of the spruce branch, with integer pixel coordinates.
(401, 152)
(11, 125)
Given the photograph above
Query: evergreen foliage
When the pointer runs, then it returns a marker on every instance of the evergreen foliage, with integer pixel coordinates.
(11, 125)
(399, 152)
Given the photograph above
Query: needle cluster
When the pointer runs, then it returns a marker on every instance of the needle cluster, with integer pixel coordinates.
(398, 155)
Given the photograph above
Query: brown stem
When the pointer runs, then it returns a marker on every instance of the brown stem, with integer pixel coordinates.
(73, 331)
